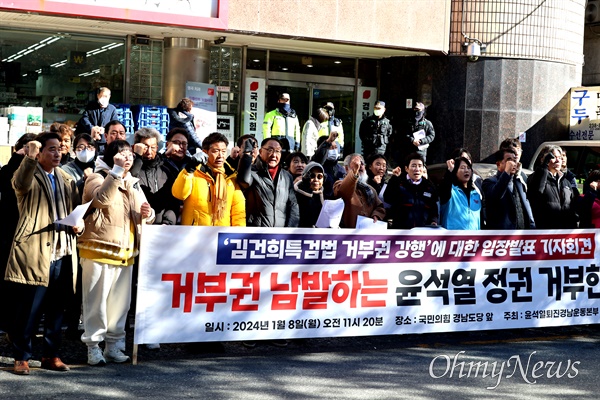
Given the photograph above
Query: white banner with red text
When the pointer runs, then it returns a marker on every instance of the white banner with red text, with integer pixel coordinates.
(201, 284)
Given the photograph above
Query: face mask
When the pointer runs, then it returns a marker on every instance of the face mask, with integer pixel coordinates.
(85, 156)
(333, 154)
(103, 102)
(378, 113)
(285, 107)
(418, 115)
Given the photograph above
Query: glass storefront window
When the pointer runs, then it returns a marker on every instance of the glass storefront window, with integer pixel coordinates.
(58, 71)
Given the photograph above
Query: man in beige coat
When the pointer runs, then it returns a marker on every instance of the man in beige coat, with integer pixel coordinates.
(40, 266)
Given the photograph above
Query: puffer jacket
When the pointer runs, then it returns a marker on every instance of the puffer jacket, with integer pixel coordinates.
(31, 252)
(116, 202)
(269, 203)
(197, 190)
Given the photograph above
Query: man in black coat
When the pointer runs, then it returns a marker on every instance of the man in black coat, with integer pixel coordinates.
(507, 206)
(375, 131)
(97, 114)
(411, 196)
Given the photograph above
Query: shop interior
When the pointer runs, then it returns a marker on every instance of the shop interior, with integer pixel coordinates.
(59, 71)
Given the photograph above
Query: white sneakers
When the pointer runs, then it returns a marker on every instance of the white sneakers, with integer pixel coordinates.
(95, 356)
(111, 354)
(114, 354)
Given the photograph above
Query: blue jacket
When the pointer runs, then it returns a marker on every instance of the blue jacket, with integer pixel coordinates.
(500, 205)
(460, 213)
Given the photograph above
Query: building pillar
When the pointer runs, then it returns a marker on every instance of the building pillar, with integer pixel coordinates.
(185, 59)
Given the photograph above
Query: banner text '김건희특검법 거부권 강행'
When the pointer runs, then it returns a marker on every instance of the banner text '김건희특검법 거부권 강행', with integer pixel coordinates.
(235, 284)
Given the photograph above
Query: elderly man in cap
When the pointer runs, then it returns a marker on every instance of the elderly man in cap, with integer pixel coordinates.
(375, 131)
(282, 123)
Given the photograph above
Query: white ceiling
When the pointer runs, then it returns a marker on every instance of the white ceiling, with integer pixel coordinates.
(88, 26)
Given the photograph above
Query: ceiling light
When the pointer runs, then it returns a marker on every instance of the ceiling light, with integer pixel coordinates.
(256, 60)
(309, 66)
(337, 62)
(284, 69)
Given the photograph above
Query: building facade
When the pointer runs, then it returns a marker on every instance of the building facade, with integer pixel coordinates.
(486, 69)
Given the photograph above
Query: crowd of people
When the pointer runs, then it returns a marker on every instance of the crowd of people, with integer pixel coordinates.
(49, 174)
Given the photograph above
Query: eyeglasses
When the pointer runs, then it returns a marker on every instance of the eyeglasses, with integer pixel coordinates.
(272, 150)
(316, 176)
(180, 143)
(82, 147)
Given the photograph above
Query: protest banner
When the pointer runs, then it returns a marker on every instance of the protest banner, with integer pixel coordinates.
(236, 284)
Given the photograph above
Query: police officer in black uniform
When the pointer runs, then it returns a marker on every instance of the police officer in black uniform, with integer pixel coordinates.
(375, 131)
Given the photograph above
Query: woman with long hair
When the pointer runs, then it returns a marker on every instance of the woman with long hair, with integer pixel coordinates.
(460, 199)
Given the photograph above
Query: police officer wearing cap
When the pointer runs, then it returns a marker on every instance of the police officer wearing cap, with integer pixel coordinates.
(375, 131)
(282, 123)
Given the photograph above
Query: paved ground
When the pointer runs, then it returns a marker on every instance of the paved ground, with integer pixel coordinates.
(338, 368)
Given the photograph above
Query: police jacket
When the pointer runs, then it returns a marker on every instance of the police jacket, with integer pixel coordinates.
(375, 134)
(276, 123)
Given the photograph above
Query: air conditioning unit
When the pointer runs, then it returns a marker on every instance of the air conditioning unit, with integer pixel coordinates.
(592, 12)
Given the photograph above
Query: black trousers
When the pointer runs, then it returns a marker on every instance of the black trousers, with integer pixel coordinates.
(32, 301)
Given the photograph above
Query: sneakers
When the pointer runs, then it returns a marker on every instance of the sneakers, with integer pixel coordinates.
(120, 344)
(153, 346)
(95, 356)
(114, 354)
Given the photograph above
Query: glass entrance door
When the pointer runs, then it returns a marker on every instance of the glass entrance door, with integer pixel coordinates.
(307, 96)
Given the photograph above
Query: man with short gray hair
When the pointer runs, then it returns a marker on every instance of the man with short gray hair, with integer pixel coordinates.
(155, 180)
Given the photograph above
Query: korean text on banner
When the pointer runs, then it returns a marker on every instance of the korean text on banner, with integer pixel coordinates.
(220, 284)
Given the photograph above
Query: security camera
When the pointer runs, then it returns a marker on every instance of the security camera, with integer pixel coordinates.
(220, 40)
(473, 51)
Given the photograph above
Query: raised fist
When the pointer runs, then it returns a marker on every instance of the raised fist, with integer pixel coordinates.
(32, 149)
